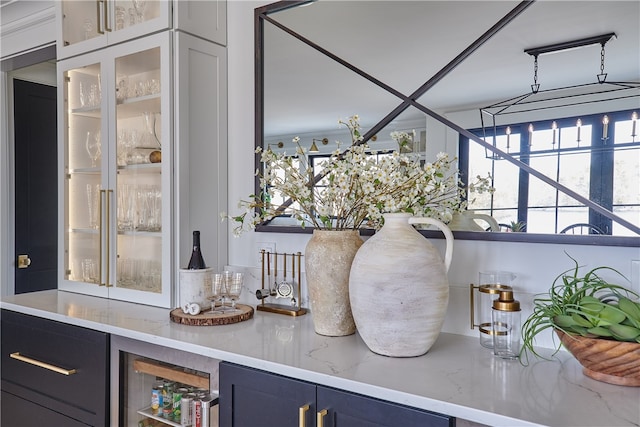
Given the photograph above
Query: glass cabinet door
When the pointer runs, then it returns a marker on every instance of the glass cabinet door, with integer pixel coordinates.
(139, 199)
(86, 25)
(117, 181)
(85, 157)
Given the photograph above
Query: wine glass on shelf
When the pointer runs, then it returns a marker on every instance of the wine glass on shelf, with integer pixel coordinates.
(87, 26)
(93, 146)
(234, 289)
(139, 6)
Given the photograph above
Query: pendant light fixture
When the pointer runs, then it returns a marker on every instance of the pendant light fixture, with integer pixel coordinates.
(574, 95)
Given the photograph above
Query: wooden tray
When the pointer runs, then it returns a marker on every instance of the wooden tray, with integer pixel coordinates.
(212, 319)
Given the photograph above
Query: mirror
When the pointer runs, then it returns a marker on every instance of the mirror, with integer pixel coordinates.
(301, 90)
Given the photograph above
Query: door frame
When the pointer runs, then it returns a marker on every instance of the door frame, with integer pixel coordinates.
(23, 67)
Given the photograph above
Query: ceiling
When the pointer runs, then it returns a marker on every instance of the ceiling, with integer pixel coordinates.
(404, 43)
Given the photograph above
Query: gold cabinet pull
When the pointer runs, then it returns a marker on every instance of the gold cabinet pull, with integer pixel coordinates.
(103, 194)
(320, 417)
(40, 364)
(101, 18)
(108, 228)
(301, 415)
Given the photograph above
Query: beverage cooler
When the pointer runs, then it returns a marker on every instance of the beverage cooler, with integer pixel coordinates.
(154, 386)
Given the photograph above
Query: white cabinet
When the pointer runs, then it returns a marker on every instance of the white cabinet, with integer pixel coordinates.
(119, 151)
(86, 25)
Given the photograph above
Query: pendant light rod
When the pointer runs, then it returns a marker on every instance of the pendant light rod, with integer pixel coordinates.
(557, 47)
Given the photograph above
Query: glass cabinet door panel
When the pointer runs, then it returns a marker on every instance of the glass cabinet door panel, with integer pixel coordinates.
(83, 180)
(81, 20)
(117, 183)
(86, 25)
(139, 185)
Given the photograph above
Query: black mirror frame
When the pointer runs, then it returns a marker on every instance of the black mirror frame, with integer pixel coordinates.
(261, 14)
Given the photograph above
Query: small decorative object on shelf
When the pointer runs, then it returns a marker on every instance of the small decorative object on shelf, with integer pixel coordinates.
(287, 290)
(597, 321)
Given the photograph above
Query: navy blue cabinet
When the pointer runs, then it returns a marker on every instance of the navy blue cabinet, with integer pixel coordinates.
(53, 368)
(254, 398)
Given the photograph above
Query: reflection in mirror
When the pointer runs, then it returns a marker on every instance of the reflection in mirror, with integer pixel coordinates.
(304, 90)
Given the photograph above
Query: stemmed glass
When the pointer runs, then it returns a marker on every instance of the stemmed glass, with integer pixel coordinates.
(217, 290)
(93, 148)
(234, 289)
(139, 6)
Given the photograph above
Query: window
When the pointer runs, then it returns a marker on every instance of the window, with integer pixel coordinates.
(597, 156)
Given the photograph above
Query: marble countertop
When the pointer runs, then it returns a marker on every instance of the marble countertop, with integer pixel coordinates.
(456, 377)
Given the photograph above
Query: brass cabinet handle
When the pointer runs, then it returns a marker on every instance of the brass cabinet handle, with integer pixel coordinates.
(100, 20)
(40, 364)
(301, 415)
(320, 416)
(103, 193)
(107, 15)
(108, 227)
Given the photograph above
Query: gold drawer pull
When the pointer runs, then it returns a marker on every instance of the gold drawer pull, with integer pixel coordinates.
(320, 416)
(301, 415)
(44, 365)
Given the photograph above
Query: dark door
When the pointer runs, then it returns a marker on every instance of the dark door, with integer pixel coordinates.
(252, 398)
(346, 409)
(36, 187)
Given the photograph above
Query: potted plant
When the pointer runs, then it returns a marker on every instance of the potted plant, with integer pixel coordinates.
(597, 320)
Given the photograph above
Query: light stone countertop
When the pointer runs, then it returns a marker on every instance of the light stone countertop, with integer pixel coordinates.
(456, 377)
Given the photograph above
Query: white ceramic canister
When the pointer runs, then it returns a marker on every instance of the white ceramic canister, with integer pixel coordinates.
(195, 286)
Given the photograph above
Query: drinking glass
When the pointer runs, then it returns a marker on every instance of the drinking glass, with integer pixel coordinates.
(121, 14)
(84, 95)
(217, 287)
(234, 289)
(93, 199)
(92, 144)
(140, 6)
(87, 25)
(89, 270)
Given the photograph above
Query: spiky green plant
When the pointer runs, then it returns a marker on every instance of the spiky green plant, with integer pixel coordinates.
(586, 305)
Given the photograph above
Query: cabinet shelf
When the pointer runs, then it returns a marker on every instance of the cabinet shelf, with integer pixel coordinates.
(149, 414)
(132, 107)
(171, 372)
(141, 168)
(92, 112)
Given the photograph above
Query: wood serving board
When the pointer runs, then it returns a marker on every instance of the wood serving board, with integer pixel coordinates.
(207, 318)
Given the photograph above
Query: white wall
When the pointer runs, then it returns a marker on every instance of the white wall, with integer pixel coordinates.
(536, 265)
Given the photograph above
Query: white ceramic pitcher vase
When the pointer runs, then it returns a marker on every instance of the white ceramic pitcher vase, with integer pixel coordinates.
(398, 287)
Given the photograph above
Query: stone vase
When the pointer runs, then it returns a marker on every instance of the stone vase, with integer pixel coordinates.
(399, 289)
(327, 261)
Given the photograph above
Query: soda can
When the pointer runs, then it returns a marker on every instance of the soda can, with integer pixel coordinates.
(156, 397)
(196, 413)
(177, 398)
(185, 409)
(206, 410)
(167, 398)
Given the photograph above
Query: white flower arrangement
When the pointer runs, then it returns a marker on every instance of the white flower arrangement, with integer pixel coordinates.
(358, 187)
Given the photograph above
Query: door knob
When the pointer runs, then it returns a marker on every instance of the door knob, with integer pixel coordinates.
(24, 261)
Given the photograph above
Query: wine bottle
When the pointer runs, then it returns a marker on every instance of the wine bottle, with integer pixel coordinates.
(196, 262)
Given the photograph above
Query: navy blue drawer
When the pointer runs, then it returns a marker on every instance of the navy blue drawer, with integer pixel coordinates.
(32, 347)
